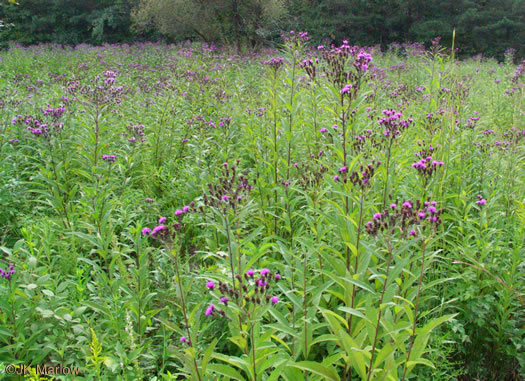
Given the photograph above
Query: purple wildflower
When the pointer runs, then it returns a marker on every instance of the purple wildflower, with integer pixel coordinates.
(157, 229)
(346, 89)
(209, 310)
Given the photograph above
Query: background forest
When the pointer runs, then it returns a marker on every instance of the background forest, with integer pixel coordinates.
(488, 26)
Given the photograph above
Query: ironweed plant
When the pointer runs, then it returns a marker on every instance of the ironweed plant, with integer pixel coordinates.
(328, 212)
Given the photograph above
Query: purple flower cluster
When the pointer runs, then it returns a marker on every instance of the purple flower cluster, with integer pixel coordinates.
(405, 218)
(481, 200)
(275, 63)
(7, 274)
(39, 127)
(295, 39)
(55, 113)
(393, 124)
(310, 66)
(426, 166)
(362, 61)
(135, 133)
(346, 64)
(518, 73)
(472, 121)
(162, 231)
(109, 158)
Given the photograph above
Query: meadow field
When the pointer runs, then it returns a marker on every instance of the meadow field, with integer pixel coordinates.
(176, 212)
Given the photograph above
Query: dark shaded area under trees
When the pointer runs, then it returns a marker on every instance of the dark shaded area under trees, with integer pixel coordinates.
(487, 26)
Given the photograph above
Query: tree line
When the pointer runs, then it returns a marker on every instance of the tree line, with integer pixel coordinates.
(482, 26)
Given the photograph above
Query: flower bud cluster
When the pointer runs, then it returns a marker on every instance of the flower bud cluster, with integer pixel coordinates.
(231, 191)
(135, 133)
(254, 289)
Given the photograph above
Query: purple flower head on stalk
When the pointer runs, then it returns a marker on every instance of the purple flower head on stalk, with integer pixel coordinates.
(210, 310)
(146, 231)
(225, 198)
(147, 199)
(178, 212)
(224, 300)
(250, 272)
(481, 200)
(109, 158)
(274, 300)
(377, 216)
(277, 276)
(157, 229)
(324, 130)
(264, 272)
(346, 89)
(407, 204)
(185, 208)
(210, 284)
(275, 63)
(336, 178)
(343, 169)
(393, 206)
(162, 220)
(412, 233)
(183, 339)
